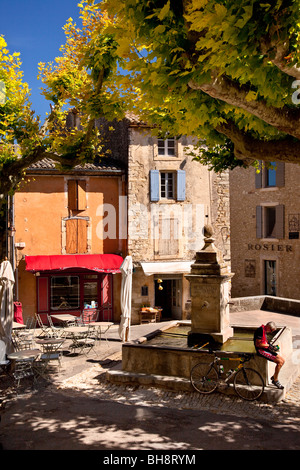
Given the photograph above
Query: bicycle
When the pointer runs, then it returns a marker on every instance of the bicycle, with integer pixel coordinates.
(248, 383)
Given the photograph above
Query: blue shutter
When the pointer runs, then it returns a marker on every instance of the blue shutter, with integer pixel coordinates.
(154, 185)
(180, 185)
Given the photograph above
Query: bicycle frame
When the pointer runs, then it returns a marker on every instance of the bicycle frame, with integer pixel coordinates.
(242, 360)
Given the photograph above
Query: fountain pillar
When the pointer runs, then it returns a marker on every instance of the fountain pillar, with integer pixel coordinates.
(209, 280)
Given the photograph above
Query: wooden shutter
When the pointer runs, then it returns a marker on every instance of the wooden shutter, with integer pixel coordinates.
(77, 195)
(280, 174)
(81, 195)
(81, 236)
(154, 185)
(71, 236)
(72, 195)
(259, 233)
(279, 228)
(180, 185)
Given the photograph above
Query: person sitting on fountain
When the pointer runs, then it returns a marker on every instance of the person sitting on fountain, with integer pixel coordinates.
(267, 350)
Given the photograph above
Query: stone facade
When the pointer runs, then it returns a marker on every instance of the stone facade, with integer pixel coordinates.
(164, 230)
(265, 227)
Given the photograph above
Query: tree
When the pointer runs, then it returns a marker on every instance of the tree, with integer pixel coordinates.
(224, 71)
(78, 82)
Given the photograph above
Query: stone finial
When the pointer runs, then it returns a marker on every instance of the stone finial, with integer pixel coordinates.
(208, 231)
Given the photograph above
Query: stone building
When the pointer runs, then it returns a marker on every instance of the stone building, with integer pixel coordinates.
(60, 248)
(149, 199)
(265, 226)
(170, 199)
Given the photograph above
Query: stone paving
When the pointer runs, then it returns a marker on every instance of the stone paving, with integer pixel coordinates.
(93, 383)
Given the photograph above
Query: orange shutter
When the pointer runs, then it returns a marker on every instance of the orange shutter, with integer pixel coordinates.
(81, 195)
(76, 236)
(81, 236)
(71, 232)
(72, 195)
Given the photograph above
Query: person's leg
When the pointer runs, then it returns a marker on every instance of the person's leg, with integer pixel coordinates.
(279, 361)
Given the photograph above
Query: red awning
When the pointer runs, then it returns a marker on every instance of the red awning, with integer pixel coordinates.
(98, 263)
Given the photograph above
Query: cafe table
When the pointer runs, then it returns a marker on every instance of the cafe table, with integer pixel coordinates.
(101, 327)
(18, 325)
(23, 354)
(50, 344)
(64, 318)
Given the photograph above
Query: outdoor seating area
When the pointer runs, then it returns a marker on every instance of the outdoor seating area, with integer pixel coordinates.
(38, 348)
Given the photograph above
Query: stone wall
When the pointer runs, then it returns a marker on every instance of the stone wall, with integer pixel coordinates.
(249, 253)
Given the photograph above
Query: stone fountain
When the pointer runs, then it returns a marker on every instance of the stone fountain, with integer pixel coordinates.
(160, 361)
(210, 289)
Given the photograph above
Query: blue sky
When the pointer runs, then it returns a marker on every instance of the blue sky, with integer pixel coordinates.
(34, 28)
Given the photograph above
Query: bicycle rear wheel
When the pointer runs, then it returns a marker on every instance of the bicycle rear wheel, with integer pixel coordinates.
(248, 384)
(204, 377)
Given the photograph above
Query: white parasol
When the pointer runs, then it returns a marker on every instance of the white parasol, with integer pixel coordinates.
(126, 290)
(7, 281)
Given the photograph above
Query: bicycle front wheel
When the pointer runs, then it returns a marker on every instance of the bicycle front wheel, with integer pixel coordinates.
(248, 384)
(204, 377)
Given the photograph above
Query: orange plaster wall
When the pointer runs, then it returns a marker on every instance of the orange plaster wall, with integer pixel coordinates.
(40, 206)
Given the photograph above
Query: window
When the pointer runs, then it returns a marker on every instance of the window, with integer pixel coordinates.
(270, 277)
(270, 221)
(166, 147)
(77, 195)
(167, 185)
(270, 177)
(64, 292)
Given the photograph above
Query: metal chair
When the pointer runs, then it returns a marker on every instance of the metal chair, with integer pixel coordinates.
(55, 330)
(22, 370)
(20, 342)
(29, 330)
(87, 316)
(46, 330)
(82, 341)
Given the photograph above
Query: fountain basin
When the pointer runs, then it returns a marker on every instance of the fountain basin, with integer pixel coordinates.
(166, 353)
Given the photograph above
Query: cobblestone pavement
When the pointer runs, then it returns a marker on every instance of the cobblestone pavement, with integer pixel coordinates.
(93, 383)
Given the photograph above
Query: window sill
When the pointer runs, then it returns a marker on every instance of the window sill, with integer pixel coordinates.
(270, 188)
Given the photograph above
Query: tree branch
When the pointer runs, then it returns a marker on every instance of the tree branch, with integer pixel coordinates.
(248, 149)
(222, 88)
(280, 60)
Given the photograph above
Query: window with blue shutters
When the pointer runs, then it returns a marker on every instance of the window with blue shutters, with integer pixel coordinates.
(167, 185)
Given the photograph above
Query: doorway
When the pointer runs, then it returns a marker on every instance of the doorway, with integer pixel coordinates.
(168, 295)
(270, 278)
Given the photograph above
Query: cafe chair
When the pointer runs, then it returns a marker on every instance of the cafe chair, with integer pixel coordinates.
(55, 330)
(46, 331)
(29, 329)
(20, 342)
(88, 315)
(23, 369)
(82, 342)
